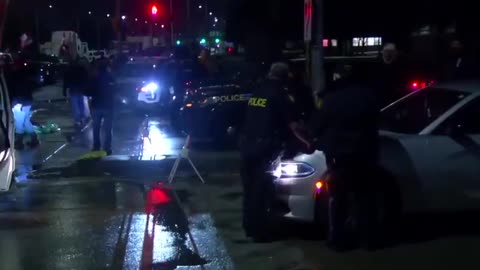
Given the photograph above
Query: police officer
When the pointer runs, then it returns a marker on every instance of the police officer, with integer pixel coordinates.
(347, 130)
(268, 122)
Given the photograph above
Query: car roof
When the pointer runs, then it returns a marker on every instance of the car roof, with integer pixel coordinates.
(470, 86)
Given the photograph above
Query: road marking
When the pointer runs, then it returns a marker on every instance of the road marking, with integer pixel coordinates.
(66, 143)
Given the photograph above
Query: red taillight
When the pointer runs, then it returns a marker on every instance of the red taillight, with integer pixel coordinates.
(414, 84)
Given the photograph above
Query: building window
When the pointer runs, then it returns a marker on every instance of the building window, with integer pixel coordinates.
(356, 42)
(325, 43)
(370, 41)
(334, 42)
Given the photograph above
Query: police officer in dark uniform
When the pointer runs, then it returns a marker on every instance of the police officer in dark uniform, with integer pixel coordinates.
(268, 123)
(348, 134)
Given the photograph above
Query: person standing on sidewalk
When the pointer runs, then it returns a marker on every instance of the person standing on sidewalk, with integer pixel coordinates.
(75, 82)
(103, 98)
(21, 84)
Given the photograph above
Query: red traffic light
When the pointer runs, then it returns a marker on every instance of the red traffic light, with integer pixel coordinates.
(154, 10)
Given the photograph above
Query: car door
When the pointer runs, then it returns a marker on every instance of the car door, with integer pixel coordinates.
(7, 158)
(460, 134)
(432, 156)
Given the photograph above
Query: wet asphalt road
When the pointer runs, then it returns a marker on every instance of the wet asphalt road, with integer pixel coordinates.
(118, 212)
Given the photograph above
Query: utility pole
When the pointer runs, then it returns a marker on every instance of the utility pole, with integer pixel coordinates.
(317, 52)
(172, 33)
(3, 17)
(37, 28)
(118, 20)
(188, 28)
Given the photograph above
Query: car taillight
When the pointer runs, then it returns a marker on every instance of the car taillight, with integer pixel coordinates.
(416, 85)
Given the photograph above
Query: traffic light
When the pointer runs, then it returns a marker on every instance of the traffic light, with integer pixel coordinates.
(179, 42)
(154, 10)
(203, 41)
(217, 40)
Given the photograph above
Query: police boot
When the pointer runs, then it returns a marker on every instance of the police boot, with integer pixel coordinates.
(19, 142)
(34, 142)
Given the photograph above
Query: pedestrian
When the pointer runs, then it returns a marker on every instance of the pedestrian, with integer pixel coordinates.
(347, 132)
(21, 84)
(74, 86)
(390, 78)
(103, 99)
(268, 124)
(456, 65)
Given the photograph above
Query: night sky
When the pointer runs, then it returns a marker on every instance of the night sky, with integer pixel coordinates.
(285, 17)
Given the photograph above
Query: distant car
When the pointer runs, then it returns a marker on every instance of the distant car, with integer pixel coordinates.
(430, 157)
(213, 108)
(144, 85)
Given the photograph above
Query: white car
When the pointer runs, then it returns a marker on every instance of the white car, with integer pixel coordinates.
(430, 152)
(7, 152)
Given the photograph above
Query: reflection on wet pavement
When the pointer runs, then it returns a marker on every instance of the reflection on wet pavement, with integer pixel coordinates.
(97, 224)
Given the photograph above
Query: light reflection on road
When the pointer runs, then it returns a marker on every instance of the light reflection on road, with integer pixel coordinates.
(156, 143)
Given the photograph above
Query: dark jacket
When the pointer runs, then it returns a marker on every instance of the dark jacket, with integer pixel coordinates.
(347, 124)
(268, 114)
(390, 81)
(20, 84)
(103, 90)
(75, 79)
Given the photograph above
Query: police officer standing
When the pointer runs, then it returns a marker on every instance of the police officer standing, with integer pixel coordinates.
(347, 131)
(268, 123)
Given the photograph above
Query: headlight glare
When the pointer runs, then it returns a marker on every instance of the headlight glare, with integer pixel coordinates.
(151, 87)
(293, 169)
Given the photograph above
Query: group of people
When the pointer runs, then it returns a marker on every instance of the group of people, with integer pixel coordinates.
(344, 128)
(82, 80)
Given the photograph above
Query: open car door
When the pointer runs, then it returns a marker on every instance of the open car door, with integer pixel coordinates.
(7, 152)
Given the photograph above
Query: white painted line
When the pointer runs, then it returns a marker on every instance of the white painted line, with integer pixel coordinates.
(66, 143)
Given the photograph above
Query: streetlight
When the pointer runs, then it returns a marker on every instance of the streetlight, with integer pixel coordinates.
(211, 13)
(216, 19)
(108, 15)
(146, 22)
(136, 19)
(124, 17)
(163, 26)
(200, 6)
(50, 6)
(89, 13)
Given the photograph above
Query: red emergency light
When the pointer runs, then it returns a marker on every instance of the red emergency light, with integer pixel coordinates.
(154, 10)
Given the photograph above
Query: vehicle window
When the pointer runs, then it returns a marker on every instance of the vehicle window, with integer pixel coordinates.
(136, 70)
(465, 118)
(414, 113)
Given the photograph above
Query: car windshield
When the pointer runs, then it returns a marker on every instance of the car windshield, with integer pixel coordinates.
(138, 70)
(415, 112)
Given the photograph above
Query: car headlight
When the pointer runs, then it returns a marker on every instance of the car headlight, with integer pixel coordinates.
(151, 87)
(293, 169)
